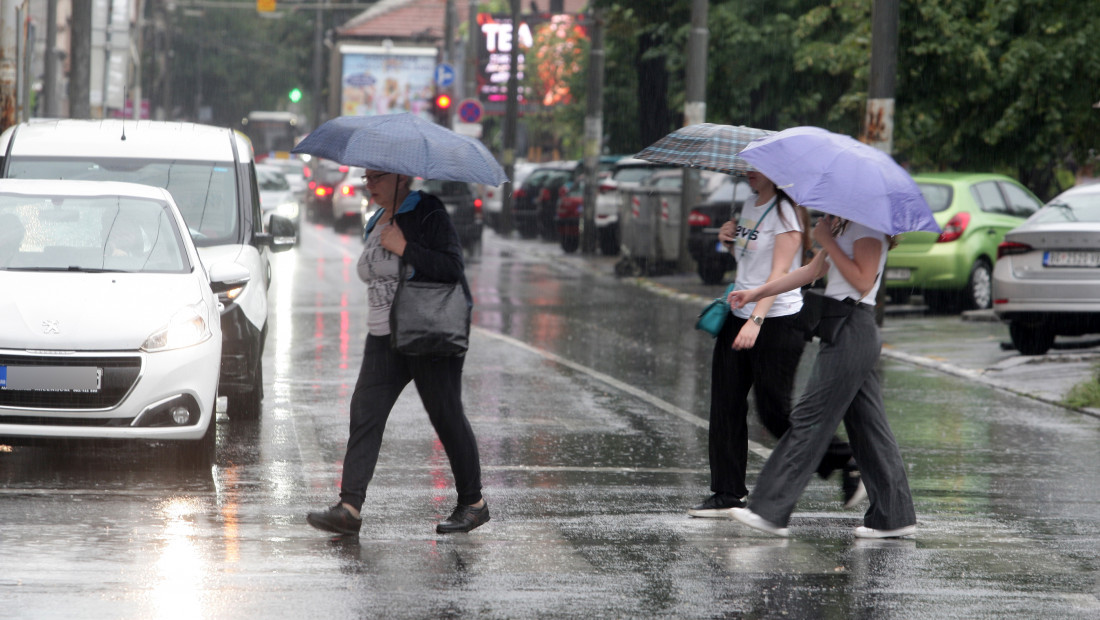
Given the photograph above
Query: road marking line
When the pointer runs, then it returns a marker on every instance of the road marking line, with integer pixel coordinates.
(665, 406)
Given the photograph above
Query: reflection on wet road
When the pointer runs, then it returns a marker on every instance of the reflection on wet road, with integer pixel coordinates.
(589, 398)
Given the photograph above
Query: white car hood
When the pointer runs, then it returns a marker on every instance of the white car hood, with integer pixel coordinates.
(85, 311)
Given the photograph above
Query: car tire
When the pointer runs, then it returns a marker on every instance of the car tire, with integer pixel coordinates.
(712, 271)
(248, 404)
(1030, 337)
(570, 243)
(609, 240)
(978, 294)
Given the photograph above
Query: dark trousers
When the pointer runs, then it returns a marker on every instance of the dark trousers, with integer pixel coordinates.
(768, 368)
(844, 385)
(382, 377)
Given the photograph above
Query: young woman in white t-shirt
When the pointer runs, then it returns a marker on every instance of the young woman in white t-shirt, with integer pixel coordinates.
(759, 348)
(844, 386)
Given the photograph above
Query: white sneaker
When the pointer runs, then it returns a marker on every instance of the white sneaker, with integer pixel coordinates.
(755, 521)
(870, 532)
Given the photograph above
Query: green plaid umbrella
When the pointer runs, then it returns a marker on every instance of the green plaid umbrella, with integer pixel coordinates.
(706, 146)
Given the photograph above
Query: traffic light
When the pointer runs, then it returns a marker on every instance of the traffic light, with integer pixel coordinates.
(295, 95)
(442, 108)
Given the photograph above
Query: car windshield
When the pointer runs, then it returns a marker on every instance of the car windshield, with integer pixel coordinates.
(444, 188)
(80, 233)
(937, 195)
(1072, 208)
(271, 180)
(204, 191)
(633, 174)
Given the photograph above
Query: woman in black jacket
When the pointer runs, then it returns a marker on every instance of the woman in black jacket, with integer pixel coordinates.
(415, 227)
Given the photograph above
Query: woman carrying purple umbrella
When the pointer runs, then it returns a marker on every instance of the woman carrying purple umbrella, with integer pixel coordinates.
(412, 227)
(759, 348)
(844, 386)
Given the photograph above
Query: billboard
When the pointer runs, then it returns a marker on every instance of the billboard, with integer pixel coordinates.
(551, 48)
(384, 80)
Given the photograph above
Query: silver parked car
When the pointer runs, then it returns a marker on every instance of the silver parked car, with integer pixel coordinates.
(1046, 282)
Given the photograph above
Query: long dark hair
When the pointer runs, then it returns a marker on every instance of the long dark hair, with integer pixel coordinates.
(803, 217)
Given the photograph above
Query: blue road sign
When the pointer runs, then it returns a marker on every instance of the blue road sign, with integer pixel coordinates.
(469, 110)
(444, 75)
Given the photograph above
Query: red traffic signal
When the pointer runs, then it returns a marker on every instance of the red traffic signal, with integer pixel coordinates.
(443, 101)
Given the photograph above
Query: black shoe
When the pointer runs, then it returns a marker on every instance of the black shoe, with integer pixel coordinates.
(852, 485)
(717, 506)
(336, 519)
(464, 519)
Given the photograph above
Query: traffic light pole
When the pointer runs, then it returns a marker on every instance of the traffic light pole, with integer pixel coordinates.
(593, 133)
(511, 110)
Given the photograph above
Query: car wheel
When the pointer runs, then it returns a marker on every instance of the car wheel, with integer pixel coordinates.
(712, 272)
(609, 240)
(570, 243)
(1030, 338)
(978, 294)
(248, 404)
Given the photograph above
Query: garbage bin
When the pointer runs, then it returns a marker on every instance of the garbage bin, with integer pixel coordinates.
(649, 220)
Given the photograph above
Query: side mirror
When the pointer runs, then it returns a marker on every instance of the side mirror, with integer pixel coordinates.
(225, 277)
(282, 235)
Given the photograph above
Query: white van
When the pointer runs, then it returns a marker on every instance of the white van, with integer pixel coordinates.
(211, 175)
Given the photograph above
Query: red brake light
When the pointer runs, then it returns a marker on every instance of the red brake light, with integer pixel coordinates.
(344, 169)
(955, 227)
(696, 218)
(519, 193)
(477, 204)
(322, 191)
(307, 172)
(347, 190)
(312, 185)
(1009, 248)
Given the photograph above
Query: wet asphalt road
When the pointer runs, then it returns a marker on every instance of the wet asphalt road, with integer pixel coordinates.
(588, 395)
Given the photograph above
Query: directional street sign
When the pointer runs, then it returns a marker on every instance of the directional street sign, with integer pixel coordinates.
(444, 75)
(470, 110)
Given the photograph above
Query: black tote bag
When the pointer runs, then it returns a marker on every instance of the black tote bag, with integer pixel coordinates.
(429, 318)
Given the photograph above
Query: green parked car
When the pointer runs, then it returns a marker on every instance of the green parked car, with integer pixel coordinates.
(953, 270)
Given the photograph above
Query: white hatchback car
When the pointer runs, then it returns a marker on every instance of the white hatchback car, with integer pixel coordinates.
(110, 322)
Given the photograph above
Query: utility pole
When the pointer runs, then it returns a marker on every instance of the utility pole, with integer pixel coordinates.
(318, 64)
(9, 64)
(511, 110)
(51, 94)
(695, 111)
(878, 128)
(80, 61)
(449, 50)
(593, 131)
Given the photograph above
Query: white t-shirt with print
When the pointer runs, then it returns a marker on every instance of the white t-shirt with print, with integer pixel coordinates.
(379, 268)
(753, 251)
(839, 288)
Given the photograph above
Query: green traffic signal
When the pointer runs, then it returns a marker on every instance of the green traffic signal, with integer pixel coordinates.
(295, 95)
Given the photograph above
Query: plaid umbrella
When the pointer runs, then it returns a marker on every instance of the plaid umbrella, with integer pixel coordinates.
(706, 146)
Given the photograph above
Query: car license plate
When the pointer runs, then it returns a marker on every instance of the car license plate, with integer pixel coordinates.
(897, 274)
(1071, 259)
(51, 378)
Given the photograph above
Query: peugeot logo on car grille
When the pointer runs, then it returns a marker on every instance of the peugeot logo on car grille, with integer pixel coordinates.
(50, 326)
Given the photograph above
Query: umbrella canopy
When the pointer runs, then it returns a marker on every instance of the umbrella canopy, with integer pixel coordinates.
(405, 144)
(836, 174)
(706, 146)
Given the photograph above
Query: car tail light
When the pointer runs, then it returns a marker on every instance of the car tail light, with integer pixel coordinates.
(347, 190)
(1009, 248)
(955, 227)
(307, 172)
(519, 193)
(312, 185)
(698, 218)
(477, 205)
(322, 191)
(344, 169)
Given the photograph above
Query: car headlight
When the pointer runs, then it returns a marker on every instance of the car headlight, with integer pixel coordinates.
(187, 327)
(287, 210)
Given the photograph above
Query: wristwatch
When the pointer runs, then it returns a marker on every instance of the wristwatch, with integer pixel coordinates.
(759, 320)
